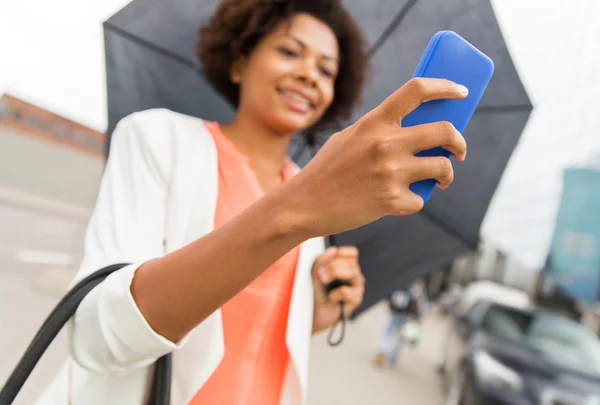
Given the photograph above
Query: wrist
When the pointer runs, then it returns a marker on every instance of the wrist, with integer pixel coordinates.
(288, 214)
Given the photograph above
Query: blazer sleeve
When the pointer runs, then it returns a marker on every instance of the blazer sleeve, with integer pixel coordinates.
(108, 333)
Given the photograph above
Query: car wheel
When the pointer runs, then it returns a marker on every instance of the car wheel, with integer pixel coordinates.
(455, 394)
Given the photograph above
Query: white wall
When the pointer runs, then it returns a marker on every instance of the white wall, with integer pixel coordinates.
(48, 169)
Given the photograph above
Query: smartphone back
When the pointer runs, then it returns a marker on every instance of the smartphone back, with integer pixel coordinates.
(449, 56)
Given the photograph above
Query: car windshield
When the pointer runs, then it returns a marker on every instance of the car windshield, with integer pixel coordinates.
(563, 342)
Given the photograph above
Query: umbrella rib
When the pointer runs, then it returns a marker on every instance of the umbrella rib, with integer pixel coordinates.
(140, 41)
(446, 228)
(504, 109)
(392, 26)
(431, 218)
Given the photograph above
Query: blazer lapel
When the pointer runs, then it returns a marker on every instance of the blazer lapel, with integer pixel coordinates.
(195, 362)
(299, 327)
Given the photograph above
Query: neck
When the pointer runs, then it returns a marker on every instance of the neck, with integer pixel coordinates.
(265, 148)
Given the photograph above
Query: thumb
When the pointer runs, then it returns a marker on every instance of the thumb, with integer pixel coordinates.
(326, 257)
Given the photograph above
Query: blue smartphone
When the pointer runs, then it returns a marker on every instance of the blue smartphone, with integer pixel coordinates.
(449, 56)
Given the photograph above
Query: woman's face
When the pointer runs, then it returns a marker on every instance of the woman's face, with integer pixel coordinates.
(288, 80)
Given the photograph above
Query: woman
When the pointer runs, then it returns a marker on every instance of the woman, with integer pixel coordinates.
(225, 241)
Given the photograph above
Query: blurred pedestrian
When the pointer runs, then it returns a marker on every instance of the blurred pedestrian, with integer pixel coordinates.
(406, 307)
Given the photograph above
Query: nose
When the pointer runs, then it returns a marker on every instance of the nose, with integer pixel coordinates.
(308, 72)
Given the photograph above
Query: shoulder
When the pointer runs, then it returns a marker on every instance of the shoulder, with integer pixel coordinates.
(160, 138)
(160, 129)
(164, 121)
(160, 116)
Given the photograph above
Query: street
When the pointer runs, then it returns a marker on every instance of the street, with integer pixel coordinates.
(39, 254)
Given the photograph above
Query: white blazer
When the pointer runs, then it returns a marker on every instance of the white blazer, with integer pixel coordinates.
(158, 193)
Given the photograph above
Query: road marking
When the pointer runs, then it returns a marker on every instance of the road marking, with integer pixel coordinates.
(43, 257)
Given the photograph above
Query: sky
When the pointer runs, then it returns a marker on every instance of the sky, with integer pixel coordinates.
(555, 45)
(58, 63)
(53, 55)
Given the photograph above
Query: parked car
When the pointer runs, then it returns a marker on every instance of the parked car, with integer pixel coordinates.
(450, 298)
(490, 291)
(501, 355)
(463, 299)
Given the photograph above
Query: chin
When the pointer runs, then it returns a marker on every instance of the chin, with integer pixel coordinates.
(287, 124)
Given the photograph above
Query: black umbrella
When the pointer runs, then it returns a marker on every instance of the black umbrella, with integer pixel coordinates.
(150, 63)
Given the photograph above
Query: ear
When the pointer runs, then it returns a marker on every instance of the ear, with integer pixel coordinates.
(237, 70)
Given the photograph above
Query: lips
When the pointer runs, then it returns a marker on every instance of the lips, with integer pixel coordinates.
(297, 97)
(296, 100)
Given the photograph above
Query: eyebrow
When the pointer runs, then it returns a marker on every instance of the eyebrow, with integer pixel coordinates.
(304, 46)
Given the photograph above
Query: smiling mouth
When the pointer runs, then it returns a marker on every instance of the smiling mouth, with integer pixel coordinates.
(296, 101)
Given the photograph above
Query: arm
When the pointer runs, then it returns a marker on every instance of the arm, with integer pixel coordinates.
(331, 194)
(361, 174)
(178, 291)
(144, 310)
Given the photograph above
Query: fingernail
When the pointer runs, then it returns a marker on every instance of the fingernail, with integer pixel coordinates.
(462, 89)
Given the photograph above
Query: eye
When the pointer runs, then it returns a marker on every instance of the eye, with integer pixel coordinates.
(326, 72)
(288, 52)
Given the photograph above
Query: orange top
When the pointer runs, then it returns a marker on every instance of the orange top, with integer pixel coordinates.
(255, 320)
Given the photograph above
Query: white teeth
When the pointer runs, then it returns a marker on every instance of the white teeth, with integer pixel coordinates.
(297, 97)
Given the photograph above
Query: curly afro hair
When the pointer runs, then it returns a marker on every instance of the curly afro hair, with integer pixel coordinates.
(238, 26)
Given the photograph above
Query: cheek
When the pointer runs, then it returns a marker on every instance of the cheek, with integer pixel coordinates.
(328, 93)
(260, 83)
(267, 70)
(255, 93)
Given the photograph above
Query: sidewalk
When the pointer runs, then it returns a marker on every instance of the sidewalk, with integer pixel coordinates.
(26, 200)
(39, 253)
(345, 375)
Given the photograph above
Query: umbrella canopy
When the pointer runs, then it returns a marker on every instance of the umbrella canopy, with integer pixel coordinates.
(150, 63)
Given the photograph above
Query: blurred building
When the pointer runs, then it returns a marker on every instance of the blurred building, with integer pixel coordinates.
(574, 259)
(47, 159)
(569, 282)
(573, 265)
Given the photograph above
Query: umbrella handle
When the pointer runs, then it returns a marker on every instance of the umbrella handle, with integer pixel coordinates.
(337, 283)
(342, 321)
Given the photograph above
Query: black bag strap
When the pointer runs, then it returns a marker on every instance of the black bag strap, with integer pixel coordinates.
(60, 315)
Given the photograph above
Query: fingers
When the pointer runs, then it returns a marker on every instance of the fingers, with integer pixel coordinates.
(351, 297)
(348, 252)
(411, 203)
(342, 269)
(443, 133)
(433, 167)
(396, 156)
(324, 259)
(415, 92)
